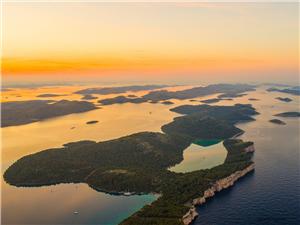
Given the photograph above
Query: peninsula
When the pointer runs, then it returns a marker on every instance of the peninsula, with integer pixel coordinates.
(24, 112)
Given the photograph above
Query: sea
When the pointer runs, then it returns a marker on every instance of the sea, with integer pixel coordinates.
(270, 195)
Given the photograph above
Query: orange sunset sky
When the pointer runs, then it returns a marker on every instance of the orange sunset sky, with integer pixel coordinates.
(158, 41)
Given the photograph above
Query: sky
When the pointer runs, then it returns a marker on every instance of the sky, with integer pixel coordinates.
(184, 42)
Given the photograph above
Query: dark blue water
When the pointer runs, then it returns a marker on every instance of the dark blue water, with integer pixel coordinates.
(270, 195)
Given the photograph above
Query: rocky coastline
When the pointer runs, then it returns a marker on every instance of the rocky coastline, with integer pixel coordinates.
(219, 185)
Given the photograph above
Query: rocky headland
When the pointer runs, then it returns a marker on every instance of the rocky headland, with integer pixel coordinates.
(218, 186)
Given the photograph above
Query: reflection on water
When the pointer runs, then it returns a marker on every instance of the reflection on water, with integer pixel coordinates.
(57, 204)
(196, 157)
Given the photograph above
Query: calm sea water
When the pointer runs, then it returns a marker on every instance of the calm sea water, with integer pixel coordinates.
(269, 196)
(196, 157)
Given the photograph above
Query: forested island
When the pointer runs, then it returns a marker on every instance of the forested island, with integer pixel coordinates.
(139, 163)
(228, 90)
(24, 112)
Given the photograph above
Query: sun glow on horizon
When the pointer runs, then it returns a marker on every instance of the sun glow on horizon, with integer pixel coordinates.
(150, 38)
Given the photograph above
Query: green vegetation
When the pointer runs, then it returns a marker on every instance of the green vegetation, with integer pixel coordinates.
(228, 114)
(139, 163)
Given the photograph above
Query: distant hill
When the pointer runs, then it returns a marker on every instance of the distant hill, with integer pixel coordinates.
(118, 90)
(228, 90)
(292, 90)
(24, 112)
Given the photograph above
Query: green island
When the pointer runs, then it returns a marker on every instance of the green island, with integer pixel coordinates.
(139, 163)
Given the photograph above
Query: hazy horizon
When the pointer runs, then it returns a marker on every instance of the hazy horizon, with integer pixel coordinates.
(182, 43)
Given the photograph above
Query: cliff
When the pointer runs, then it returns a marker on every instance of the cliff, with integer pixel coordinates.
(216, 187)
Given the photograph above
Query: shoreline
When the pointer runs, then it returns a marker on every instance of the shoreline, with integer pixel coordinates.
(218, 186)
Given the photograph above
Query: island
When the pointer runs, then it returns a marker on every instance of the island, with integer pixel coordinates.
(253, 99)
(138, 163)
(88, 97)
(212, 100)
(277, 121)
(92, 122)
(131, 96)
(284, 99)
(24, 112)
(232, 94)
(49, 95)
(291, 90)
(167, 102)
(119, 89)
(229, 90)
(120, 100)
(288, 114)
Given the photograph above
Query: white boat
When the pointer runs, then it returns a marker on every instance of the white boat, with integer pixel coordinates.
(75, 212)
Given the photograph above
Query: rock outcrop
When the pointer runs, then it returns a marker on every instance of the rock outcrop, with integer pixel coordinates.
(216, 187)
(190, 216)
